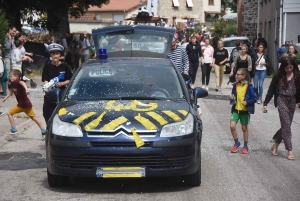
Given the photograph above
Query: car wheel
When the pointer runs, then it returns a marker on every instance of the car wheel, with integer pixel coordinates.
(193, 179)
(57, 180)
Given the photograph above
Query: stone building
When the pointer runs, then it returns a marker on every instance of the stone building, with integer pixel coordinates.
(247, 18)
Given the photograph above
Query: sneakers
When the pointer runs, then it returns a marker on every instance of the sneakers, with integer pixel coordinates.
(13, 130)
(218, 88)
(192, 86)
(206, 88)
(1, 113)
(235, 147)
(258, 101)
(245, 150)
(43, 132)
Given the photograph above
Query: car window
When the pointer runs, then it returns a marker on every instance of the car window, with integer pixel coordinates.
(121, 80)
(137, 41)
(231, 43)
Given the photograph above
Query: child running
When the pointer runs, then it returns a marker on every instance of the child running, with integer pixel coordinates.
(244, 95)
(20, 90)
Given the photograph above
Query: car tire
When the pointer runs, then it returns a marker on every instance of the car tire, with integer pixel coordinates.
(193, 179)
(57, 180)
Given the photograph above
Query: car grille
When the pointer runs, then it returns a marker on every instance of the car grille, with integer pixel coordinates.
(118, 144)
(93, 161)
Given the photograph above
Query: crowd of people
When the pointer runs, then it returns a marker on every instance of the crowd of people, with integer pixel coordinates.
(249, 64)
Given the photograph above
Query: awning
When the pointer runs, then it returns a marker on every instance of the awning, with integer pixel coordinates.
(176, 3)
(190, 3)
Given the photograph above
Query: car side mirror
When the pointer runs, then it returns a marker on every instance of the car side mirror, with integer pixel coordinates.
(200, 92)
(54, 95)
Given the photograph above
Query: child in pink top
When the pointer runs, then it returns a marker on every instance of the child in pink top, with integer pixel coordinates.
(207, 63)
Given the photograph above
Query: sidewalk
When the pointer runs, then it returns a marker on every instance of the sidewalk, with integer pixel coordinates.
(23, 122)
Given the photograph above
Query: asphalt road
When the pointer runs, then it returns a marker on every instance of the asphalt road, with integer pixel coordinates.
(225, 176)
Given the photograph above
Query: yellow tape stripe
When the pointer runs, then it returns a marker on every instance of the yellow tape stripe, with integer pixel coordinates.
(145, 122)
(137, 139)
(135, 175)
(122, 168)
(171, 114)
(114, 123)
(62, 111)
(109, 104)
(183, 112)
(158, 118)
(93, 124)
(83, 117)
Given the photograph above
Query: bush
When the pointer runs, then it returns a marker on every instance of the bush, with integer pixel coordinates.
(225, 27)
(3, 29)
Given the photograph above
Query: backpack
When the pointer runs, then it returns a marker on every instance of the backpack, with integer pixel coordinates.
(235, 53)
(1, 67)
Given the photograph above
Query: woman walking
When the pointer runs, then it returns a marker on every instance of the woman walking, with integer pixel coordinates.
(293, 53)
(194, 52)
(207, 62)
(261, 63)
(220, 58)
(285, 87)
(242, 61)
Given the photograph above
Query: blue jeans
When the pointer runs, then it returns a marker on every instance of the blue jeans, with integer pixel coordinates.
(259, 78)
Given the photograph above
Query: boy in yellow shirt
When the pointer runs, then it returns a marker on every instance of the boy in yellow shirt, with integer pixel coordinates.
(244, 95)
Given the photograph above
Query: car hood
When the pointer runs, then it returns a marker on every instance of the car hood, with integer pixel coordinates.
(111, 115)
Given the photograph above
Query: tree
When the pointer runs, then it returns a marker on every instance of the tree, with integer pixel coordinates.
(3, 30)
(58, 12)
(230, 4)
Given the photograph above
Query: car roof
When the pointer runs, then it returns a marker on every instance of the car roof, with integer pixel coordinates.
(235, 38)
(129, 60)
(135, 27)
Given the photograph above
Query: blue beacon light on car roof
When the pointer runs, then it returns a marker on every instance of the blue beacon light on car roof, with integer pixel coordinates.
(102, 53)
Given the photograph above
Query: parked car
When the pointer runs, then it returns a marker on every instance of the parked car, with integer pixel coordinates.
(128, 115)
(229, 44)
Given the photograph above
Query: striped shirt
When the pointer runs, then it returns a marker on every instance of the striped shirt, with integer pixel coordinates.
(180, 59)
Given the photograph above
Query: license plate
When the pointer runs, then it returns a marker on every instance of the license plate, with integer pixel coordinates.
(120, 172)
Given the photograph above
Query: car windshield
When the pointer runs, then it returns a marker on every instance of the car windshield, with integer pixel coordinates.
(125, 79)
(231, 43)
(129, 41)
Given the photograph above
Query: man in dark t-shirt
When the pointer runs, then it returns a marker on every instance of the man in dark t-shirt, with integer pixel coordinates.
(220, 58)
(19, 88)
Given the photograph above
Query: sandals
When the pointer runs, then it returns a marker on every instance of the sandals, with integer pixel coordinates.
(274, 151)
(291, 157)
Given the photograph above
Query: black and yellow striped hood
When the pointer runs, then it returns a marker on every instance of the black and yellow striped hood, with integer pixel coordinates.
(108, 115)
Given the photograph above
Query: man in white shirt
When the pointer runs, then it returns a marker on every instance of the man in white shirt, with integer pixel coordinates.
(84, 52)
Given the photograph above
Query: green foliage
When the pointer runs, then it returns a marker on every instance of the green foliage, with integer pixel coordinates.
(3, 29)
(232, 5)
(225, 27)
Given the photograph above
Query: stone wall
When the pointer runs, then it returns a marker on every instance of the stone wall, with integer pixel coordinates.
(166, 9)
(247, 17)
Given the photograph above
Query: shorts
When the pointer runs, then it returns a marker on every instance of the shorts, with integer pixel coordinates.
(17, 68)
(16, 110)
(243, 117)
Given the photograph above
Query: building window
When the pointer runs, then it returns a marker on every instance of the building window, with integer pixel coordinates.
(98, 17)
(189, 3)
(210, 2)
(175, 3)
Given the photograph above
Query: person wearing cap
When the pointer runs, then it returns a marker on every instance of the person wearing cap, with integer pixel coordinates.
(52, 70)
(194, 52)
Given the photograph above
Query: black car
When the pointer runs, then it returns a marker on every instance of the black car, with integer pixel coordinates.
(128, 115)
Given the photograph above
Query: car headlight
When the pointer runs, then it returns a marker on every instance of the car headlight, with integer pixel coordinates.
(65, 129)
(178, 129)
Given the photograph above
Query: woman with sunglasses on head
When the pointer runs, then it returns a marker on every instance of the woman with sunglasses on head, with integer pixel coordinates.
(52, 70)
(285, 87)
(260, 68)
